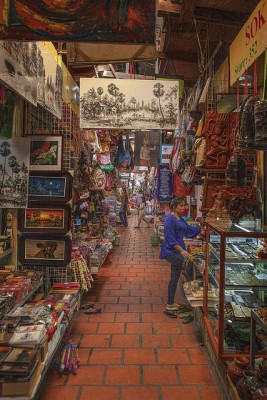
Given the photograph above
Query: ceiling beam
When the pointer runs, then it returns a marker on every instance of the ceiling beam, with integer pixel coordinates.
(183, 56)
(187, 10)
(215, 16)
(167, 7)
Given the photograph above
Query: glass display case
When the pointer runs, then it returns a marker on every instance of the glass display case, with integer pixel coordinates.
(235, 282)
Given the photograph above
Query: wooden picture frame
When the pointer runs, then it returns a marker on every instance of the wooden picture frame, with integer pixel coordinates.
(46, 153)
(54, 188)
(44, 250)
(45, 219)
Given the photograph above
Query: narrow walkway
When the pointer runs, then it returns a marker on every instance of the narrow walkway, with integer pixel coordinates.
(132, 351)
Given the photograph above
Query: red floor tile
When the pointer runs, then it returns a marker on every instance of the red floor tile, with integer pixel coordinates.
(139, 356)
(87, 375)
(171, 327)
(128, 317)
(99, 393)
(106, 356)
(60, 392)
(173, 356)
(180, 392)
(141, 327)
(123, 375)
(155, 341)
(111, 327)
(198, 356)
(139, 393)
(95, 341)
(125, 341)
(160, 375)
(195, 374)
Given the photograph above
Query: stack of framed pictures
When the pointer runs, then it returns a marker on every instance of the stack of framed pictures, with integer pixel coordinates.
(45, 223)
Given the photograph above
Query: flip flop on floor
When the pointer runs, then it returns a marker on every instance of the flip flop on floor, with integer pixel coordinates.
(93, 311)
(85, 306)
(170, 314)
(188, 319)
(184, 315)
(184, 308)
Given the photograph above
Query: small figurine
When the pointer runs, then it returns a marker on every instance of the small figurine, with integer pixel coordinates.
(262, 254)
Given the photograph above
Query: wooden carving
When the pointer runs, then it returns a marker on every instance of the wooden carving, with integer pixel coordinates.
(239, 206)
(220, 129)
(213, 186)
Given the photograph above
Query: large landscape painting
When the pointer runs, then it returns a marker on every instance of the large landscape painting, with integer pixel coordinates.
(128, 104)
(83, 20)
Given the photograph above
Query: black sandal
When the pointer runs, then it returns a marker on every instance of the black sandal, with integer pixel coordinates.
(188, 319)
(85, 306)
(93, 311)
(184, 308)
(170, 314)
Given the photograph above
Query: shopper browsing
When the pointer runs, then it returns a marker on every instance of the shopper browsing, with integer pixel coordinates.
(139, 200)
(124, 207)
(142, 215)
(173, 248)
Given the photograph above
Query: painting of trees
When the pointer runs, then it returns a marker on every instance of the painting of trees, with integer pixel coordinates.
(129, 104)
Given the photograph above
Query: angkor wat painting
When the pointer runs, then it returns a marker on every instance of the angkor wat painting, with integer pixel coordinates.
(50, 81)
(128, 104)
(18, 68)
(14, 172)
(83, 20)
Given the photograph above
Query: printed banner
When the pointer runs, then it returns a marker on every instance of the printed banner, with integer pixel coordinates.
(249, 43)
(164, 184)
(147, 149)
(14, 172)
(128, 104)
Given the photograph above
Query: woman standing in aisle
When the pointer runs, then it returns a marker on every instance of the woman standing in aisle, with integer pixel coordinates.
(173, 248)
(124, 206)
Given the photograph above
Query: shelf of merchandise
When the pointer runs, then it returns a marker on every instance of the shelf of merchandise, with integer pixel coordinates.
(255, 320)
(29, 295)
(54, 345)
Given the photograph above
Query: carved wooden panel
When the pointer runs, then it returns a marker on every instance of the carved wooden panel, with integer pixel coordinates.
(213, 186)
(220, 130)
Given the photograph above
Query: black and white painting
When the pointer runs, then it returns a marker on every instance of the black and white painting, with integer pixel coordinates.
(147, 148)
(14, 172)
(18, 68)
(50, 81)
(128, 104)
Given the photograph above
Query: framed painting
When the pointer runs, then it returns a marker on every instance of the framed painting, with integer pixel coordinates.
(46, 153)
(53, 188)
(43, 219)
(44, 250)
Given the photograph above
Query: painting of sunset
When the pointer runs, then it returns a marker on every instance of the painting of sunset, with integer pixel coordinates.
(44, 218)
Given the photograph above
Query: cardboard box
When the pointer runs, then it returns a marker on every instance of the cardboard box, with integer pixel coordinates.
(22, 387)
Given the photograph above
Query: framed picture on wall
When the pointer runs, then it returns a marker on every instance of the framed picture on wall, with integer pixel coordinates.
(43, 219)
(52, 188)
(46, 153)
(44, 250)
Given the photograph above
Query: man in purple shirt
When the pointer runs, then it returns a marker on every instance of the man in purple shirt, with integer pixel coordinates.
(173, 248)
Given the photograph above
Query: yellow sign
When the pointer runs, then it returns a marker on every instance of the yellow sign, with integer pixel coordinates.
(249, 43)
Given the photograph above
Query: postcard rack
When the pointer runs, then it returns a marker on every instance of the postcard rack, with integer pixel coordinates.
(51, 274)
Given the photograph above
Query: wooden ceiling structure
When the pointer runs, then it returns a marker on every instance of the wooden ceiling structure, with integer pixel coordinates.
(189, 33)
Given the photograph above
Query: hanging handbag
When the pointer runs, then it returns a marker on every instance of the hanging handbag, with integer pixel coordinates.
(179, 189)
(98, 180)
(188, 174)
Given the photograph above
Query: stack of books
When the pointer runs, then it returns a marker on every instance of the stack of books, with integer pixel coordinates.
(28, 335)
(19, 363)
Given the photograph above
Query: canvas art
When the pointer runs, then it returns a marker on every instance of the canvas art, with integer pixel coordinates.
(7, 103)
(44, 250)
(55, 188)
(50, 81)
(43, 219)
(83, 20)
(14, 172)
(45, 153)
(147, 148)
(18, 68)
(128, 104)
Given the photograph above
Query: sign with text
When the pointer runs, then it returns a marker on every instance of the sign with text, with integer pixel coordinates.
(249, 43)
(165, 153)
(164, 184)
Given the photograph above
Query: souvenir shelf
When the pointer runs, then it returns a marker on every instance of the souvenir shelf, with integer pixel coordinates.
(256, 320)
(235, 282)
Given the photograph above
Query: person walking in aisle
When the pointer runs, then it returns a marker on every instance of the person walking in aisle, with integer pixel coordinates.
(139, 200)
(124, 207)
(142, 215)
(173, 248)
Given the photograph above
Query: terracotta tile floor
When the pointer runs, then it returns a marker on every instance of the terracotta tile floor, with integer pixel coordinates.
(132, 351)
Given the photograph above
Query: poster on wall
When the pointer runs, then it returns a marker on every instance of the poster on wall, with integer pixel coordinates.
(147, 148)
(128, 104)
(164, 184)
(50, 81)
(165, 153)
(83, 20)
(14, 172)
(18, 68)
